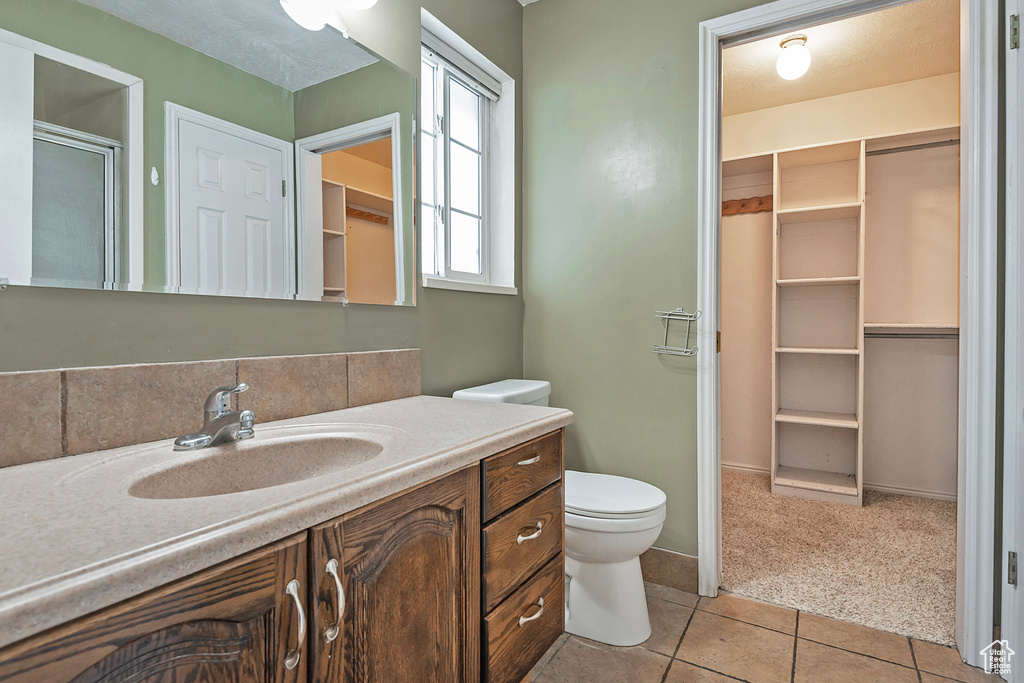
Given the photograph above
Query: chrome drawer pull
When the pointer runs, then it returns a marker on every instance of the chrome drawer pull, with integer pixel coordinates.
(531, 461)
(291, 660)
(529, 537)
(334, 629)
(540, 603)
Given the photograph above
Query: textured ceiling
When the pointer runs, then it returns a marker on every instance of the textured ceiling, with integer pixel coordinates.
(901, 44)
(255, 36)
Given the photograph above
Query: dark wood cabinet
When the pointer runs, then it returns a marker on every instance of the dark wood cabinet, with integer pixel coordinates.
(410, 568)
(234, 623)
(389, 593)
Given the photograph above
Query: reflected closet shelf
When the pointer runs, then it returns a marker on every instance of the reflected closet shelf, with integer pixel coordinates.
(820, 351)
(818, 281)
(817, 417)
(813, 214)
(816, 480)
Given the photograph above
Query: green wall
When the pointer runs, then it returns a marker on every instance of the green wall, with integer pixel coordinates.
(467, 338)
(610, 185)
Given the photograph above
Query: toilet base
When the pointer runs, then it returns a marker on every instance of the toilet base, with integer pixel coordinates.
(606, 602)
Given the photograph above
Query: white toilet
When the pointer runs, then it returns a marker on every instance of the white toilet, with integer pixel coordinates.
(609, 522)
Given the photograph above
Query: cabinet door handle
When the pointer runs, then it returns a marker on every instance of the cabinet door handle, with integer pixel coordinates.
(291, 660)
(531, 461)
(334, 629)
(540, 603)
(529, 537)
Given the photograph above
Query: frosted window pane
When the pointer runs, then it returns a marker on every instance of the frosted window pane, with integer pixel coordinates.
(465, 114)
(465, 235)
(427, 97)
(428, 234)
(426, 162)
(465, 179)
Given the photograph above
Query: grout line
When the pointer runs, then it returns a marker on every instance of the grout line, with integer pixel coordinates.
(718, 673)
(750, 623)
(555, 653)
(238, 400)
(854, 652)
(796, 639)
(675, 652)
(913, 656)
(63, 412)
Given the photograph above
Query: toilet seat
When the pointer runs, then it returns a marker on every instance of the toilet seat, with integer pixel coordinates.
(605, 496)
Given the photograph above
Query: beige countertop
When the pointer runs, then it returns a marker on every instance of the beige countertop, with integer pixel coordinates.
(73, 541)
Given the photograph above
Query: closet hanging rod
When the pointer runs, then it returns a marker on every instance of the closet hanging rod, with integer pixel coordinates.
(913, 148)
(911, 335)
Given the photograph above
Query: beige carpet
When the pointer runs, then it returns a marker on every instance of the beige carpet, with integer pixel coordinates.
(890, 565)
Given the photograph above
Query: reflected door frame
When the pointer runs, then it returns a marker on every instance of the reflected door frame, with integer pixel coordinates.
(174, 114)
(340, 138)
(132, 151)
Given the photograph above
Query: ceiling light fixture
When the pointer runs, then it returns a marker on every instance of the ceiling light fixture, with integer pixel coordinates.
(795, 58)
(315, 14)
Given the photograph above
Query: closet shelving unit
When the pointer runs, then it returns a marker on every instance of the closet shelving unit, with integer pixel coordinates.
(818, 323)
(341, 201)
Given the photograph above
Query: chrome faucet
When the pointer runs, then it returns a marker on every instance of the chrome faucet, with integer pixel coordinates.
(220, 423)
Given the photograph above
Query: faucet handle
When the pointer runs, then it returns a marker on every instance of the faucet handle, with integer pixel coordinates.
(219, 400)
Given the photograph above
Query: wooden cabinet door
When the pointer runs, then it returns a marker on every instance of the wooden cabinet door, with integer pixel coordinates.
(234, 623)
(411, 578)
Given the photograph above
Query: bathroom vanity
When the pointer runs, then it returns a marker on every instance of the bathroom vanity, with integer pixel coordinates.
(436, 556)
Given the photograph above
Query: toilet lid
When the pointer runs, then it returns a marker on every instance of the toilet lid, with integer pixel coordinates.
(608, 496)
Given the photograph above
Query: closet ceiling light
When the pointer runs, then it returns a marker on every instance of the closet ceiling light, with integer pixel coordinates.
(795, 58)
(314, 14)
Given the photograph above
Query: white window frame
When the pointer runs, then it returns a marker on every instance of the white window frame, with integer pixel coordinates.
(442, 172)
(459, 61)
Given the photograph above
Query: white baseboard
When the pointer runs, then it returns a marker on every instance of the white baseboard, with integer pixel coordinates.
(883, 488)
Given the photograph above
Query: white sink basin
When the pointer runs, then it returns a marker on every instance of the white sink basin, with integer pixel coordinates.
(274, 457)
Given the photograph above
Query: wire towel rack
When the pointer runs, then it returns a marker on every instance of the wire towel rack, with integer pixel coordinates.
(682, 316)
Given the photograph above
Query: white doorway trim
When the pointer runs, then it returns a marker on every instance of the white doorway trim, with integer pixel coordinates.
(1012, 614)
(133, 145)
(173, 115)
(978, 300)
(387, 125)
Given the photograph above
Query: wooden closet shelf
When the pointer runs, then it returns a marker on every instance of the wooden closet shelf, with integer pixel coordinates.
(820, 351)
(816, 480)
(334, 289)
(818, 281)
(817, 417)
(813, 214)
(333, 233)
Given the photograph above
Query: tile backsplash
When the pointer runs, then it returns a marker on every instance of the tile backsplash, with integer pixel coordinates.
(52, 413)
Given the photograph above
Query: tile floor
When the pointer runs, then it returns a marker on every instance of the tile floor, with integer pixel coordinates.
(729, 638)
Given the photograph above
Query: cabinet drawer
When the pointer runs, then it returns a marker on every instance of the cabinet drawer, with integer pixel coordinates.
(519, 543)
(521, 629)
(515, 475)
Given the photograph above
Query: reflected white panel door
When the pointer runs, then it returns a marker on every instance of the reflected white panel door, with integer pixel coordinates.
(233, 223)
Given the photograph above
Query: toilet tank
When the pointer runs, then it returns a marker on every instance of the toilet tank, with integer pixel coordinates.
(523, 391)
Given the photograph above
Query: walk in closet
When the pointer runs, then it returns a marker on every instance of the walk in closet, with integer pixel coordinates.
(840, 315)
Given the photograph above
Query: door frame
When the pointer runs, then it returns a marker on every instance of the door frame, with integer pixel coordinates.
(173, 115)
(133, 146)
(978, 293)
(1012, 603)
(340, 138)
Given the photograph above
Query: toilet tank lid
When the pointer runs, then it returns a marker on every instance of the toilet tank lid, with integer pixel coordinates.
(605, 495)
(507, 391)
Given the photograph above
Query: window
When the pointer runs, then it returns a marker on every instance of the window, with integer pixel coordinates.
(466, 190)
(453, 150)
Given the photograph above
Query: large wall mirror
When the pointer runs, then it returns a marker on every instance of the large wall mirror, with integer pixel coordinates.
(210, 147)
